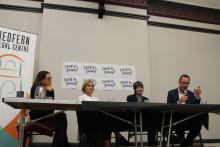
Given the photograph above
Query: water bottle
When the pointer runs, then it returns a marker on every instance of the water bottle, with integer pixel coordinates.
(40, 93)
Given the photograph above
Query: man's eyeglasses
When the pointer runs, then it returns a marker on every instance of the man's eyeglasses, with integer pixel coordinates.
(185, 83)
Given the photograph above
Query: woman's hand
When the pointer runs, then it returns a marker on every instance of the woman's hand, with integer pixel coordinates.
(50, 88)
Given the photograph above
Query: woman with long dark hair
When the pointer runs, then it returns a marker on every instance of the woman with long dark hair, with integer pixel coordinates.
(57, 122)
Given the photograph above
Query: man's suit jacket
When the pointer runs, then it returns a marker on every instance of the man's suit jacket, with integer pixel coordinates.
(173, 97)
(133, 98)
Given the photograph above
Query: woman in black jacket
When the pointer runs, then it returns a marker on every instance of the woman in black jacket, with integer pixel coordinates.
(57, 122)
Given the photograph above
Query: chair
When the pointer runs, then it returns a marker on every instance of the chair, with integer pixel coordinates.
(132, 134)
(186, 133)
(172, 141)
(35, 129)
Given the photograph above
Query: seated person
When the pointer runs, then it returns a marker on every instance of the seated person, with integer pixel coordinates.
(139, 98)
(182, 95)
(87, 89)
(57, 122)
(92, 137)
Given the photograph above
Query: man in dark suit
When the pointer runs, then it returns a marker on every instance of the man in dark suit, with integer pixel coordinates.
(182, 95)
(139, 98)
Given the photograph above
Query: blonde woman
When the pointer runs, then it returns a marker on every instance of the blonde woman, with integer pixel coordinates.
(88, 89)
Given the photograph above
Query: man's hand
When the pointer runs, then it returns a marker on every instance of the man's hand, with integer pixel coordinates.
(197, 91)
(183, 99)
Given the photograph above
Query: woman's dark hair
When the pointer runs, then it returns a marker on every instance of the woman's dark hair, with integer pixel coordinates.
(137, 84)
(40, 76)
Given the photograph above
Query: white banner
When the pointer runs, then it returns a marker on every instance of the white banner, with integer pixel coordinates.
(127, 72)
(70, 68)
(17, 51)
(104, 76)
(125, 83)
(109, 70)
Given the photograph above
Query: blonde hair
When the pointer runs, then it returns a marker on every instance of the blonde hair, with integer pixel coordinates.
(86, 83)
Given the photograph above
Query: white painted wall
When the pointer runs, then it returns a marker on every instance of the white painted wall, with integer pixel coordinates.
(24, 21)
(174, 52)
(81, 37)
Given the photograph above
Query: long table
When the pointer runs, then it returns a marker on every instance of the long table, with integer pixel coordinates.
(108, 107)
(165, 112)
(25, 103)
(125, 110)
